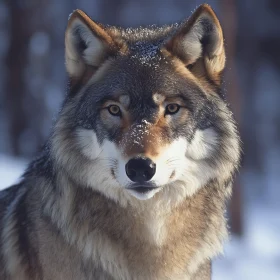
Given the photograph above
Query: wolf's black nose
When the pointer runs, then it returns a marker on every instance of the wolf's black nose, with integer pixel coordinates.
(140, 169)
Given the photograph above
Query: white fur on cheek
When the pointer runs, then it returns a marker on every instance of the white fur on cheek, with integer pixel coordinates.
(175, 153)
(105, 153)
(203, 144)
(100, 156)
(91, 148)
(197, 171)
(88, 142)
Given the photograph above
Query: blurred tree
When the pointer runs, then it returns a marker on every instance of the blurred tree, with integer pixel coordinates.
(16, 61)
(27, 65)
(229, 23)
(110, 10)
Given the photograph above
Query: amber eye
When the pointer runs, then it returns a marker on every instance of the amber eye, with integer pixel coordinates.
(114, 110)
(172, 109)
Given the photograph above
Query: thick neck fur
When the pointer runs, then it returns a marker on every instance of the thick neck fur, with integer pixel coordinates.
(148, 240)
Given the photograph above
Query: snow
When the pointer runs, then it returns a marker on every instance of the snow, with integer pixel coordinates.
(10, 170)
(255, 256)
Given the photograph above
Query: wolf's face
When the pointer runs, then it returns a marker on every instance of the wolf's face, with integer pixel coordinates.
(143, 124)
(144, 114)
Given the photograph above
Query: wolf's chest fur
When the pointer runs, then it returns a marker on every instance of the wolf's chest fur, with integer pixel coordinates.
(151, 243)
(91, 237)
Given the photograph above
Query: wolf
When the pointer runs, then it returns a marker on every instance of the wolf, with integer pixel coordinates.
(134, 178)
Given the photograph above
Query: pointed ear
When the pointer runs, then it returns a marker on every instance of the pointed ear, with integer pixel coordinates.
(200, 41)
(87, 44)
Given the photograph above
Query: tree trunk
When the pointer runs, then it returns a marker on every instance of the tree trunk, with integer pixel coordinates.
(229, 23)
(16, 61)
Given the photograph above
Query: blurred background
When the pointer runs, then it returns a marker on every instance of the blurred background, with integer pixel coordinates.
(33, 83)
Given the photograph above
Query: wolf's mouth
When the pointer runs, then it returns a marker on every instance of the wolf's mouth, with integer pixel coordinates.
(142, 188)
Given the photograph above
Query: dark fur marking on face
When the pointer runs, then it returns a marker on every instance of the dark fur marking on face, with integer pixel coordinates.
(172, 174)
(113, 173)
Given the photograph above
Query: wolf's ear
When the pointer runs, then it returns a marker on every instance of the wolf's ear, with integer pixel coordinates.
(200, 41)
(87, 44)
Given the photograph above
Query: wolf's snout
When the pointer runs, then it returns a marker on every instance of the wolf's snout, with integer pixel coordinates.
(140, 169)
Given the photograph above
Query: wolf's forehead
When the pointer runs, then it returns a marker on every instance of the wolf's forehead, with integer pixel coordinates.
(156, 98)
(124, 100)
(147, 56)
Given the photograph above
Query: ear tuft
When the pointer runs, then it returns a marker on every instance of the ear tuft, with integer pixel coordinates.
(200, 37)
(87, 44)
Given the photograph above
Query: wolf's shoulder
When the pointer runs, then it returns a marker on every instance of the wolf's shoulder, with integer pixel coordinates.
(7, 196)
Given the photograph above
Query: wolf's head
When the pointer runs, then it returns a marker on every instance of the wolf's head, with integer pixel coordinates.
(144, 113)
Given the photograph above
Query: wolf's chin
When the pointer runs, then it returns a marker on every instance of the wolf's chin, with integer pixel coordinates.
(143, 195)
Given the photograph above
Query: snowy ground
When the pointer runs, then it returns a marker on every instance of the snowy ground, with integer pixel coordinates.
(10, 170)
(257, 255)
(254, 257)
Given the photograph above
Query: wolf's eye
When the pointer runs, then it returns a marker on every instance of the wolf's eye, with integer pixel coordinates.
(190, 66)
(114, 110)
(172, 109)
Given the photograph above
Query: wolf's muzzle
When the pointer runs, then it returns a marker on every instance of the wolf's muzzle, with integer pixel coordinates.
(140, 169)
